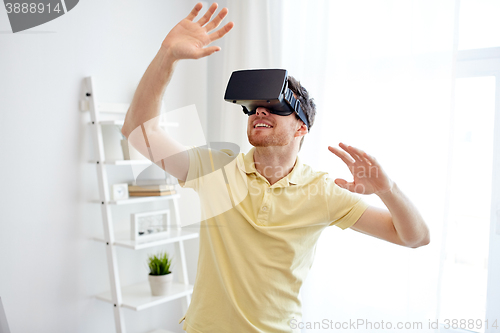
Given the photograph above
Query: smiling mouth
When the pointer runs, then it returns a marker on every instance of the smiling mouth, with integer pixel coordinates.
(262, 126)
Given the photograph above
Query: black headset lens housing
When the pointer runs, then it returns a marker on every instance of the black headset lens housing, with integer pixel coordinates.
(266, 88)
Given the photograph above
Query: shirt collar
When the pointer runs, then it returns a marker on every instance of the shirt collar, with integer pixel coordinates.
(247, 165)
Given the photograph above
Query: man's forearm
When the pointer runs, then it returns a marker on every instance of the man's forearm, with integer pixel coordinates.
(407, 221)
(146, 103)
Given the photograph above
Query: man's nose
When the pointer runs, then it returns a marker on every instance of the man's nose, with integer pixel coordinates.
(262, 111)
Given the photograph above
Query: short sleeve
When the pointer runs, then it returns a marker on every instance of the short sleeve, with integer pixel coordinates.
(344, 207)
(203, 161)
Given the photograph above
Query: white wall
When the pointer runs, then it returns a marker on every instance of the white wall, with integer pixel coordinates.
(49, 266)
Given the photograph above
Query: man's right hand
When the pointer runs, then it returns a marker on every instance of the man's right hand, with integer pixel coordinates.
(188, 39)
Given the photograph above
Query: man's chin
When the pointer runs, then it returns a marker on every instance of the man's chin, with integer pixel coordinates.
(265, 143)
(258, 142)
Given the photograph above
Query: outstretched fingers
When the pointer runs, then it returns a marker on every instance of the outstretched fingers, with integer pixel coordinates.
(221, 32)
(217, 20)
(208, 15)
(346, 158)
(195, 11)
(356, 153)
(362, 155)
(351, 151)
(371, 159)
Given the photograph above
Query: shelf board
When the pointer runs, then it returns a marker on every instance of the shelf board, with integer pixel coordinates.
(138, 296)
(175, 235)
(134, 200)
(125, 162)
(129, 162)
(120, 123)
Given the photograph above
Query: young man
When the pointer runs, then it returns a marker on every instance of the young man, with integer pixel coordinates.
(262, 211)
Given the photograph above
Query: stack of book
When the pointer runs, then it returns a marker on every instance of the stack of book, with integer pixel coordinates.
(151, 190)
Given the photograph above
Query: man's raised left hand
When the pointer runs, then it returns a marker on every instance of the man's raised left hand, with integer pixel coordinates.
(369, 177)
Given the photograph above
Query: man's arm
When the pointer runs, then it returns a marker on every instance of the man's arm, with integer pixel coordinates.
(377, 222)
(187, 40)
(402, 223)
(141, 126)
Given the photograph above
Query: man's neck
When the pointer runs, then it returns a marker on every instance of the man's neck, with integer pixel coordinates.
(274, 163)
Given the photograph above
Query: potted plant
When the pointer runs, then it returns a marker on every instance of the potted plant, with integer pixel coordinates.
(160, 277)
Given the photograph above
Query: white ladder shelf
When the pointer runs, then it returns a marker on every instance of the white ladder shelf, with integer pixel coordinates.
(135, 297)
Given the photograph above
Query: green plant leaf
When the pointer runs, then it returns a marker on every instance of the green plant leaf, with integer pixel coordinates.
(159, 264)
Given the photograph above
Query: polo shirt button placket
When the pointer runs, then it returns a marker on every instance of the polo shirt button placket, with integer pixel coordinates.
(263, 215)
(264, 211)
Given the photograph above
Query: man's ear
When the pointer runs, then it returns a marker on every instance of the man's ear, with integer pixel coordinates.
(302, 130)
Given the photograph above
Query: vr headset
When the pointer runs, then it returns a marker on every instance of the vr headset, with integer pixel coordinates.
(263, 87)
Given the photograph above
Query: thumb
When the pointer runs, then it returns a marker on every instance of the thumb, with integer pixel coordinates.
(344, 184)
(208, 51)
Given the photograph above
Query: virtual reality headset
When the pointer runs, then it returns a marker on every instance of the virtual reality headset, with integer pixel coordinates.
(263, 87)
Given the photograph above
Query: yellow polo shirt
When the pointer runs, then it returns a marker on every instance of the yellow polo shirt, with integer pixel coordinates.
(257, 242)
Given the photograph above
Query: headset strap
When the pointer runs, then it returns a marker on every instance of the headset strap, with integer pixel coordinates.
(295, 104)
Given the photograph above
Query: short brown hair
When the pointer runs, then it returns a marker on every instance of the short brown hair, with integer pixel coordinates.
(306, 103)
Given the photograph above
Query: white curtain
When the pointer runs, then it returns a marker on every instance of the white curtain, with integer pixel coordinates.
(250, 45)
(381, 73)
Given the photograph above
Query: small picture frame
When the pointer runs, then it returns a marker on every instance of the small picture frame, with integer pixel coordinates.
(119, 192)
(149, 225)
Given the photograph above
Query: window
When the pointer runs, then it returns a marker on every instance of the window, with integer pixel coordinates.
(479, 24)
(465, 270)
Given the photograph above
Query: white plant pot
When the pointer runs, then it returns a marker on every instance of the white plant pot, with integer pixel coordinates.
(130, 153)
(160, 284)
